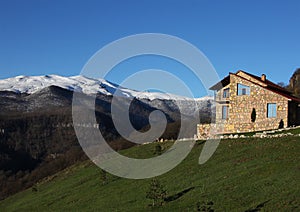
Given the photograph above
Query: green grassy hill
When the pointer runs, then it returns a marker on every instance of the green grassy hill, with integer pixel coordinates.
(243, 175)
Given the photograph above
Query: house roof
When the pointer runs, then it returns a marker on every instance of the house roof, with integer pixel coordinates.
(221, 83)
(267, 84)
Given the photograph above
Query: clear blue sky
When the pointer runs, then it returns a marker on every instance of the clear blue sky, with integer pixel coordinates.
(58, 36)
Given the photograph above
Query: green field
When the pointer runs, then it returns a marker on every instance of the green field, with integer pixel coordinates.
(243, 175)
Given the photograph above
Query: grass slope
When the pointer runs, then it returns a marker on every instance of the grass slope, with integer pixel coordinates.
(242, 175)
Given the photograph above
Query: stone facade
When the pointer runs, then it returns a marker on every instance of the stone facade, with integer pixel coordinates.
(240, 107)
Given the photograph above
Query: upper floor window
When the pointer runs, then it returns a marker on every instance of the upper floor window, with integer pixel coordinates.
(271, 110)
(226, 93)
(243, 89)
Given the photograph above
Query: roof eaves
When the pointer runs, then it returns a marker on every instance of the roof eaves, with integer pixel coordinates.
(225, 81)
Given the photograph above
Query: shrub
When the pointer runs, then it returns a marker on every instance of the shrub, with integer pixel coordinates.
(253, 115)
(34, 188)
(158, 149)
(157, 193)
(103, 175)
(205, 206)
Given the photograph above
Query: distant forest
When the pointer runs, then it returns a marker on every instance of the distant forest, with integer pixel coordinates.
(294, 83)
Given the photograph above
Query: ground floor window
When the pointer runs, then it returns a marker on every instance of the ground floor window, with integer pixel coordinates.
(271, 110)
(225, 111)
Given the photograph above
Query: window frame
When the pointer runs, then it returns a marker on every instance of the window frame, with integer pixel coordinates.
(271, 110)
(225, 115)
(226, 93)
(243, 90)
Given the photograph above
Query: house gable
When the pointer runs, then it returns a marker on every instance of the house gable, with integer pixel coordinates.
(251, 78)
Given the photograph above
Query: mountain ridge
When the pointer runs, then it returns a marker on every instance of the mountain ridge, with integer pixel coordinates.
(31, 84)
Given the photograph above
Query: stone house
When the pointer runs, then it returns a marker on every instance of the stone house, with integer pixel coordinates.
(246, 103)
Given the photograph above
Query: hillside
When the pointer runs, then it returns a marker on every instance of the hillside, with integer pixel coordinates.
(294, 84)
(243, 175)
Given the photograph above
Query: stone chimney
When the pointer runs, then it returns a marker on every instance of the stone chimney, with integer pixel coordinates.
(263, 77)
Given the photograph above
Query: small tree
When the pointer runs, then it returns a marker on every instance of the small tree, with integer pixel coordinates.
(34, 188)
(253, 115)
(157, 193)
(103, 175)
(205, 206)
(158, 149)
(281, 84)
(281, 124)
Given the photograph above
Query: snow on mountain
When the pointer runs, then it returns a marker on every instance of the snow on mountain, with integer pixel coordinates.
(32, 84)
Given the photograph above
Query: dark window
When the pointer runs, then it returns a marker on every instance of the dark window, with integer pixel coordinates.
(226, 93)
(243, 90)
(272, 110)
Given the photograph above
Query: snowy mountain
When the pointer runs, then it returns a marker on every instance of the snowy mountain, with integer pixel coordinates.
(32, 84)
(28, 94)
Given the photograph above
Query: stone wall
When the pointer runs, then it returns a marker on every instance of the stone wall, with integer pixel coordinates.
(240, 108)
(205, 131)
